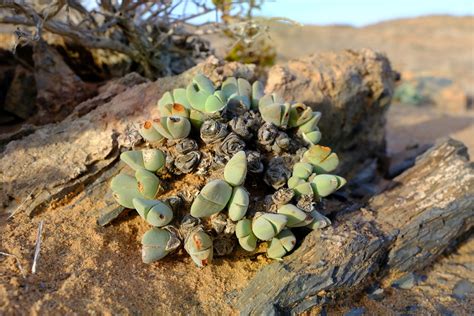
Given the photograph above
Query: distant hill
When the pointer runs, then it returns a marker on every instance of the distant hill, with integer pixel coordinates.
(437, 45)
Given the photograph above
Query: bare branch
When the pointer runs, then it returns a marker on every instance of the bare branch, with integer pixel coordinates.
(63, 29)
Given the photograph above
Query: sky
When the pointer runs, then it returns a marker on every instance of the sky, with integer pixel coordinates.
(358, 12)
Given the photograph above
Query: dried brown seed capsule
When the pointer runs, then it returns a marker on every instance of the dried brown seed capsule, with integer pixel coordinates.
(267, 134)
(240, 126)
(277, 172)
(186, 145)
(283, 141)
(283, 196)
(254, 162)
(231, 145)
(223, 246)
(186, 163)
(306, 202)
(219, 222)
(213, 131)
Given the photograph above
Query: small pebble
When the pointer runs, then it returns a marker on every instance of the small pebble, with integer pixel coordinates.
(376, 294)
(357, 311)
(411, 308)
(444, 311)
(406, 282)
(463, 289)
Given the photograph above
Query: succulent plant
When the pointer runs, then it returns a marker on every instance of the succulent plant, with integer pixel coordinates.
(148, 183)
(267, 225)
(245, 235)
(295, 216)
(319, 220)
(277, 114)
(238, 203)
(155, 212)
(237, 91)
(172, 127)
(125, 189)
(203, 97)
(198, 245)
(325, 184)
(149, 133)
(299, 114)
(236, 169)
(281, 244)
(280, 141)
(212, 199)
(155, 244)
(149, 159)
(174, 104)
(257, 94)
(322, 159)
(269, 99)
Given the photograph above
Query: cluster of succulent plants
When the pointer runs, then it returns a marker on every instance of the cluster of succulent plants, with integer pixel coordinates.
(227, 167)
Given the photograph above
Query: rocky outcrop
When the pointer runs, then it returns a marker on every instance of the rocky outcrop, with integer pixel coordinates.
(352, 89)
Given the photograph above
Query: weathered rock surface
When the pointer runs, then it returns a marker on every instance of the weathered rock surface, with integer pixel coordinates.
(20, 98)
(56, 159)
(401, 230)
(59, 89)
(352, 89)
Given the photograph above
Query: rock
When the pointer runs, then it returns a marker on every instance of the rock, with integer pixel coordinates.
(59, 89)
(21, 96)
(463, 289)
(402, 229)
(406, 282)
(375, 293)
(352, 96)
(444, 311)
(356, 311)
(57, 159)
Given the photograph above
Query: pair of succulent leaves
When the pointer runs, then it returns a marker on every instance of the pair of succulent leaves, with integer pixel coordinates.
(182, 108)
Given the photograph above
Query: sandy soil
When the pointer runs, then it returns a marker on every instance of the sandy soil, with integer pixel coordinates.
(88, 268)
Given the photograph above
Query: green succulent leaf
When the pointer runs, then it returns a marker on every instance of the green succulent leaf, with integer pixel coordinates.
(154, 244)
(295, 216)
(325, 184)
(155, 212)
(148, 183)
(267, 225)
(125, 189)
(198, 244)
(281, 244)
(133, 158)
(257, 94)
(321, 158)
(235, 170)
(238, 203)
(149, 133)
(299, 114)
(153, 159)
(212, 199)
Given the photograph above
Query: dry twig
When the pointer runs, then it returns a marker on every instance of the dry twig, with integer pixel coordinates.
(20, 267)
(37, 248)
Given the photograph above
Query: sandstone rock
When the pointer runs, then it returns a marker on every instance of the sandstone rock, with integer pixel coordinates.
(401, 230)
(21, 96)
(352, 89)
(59, 89)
